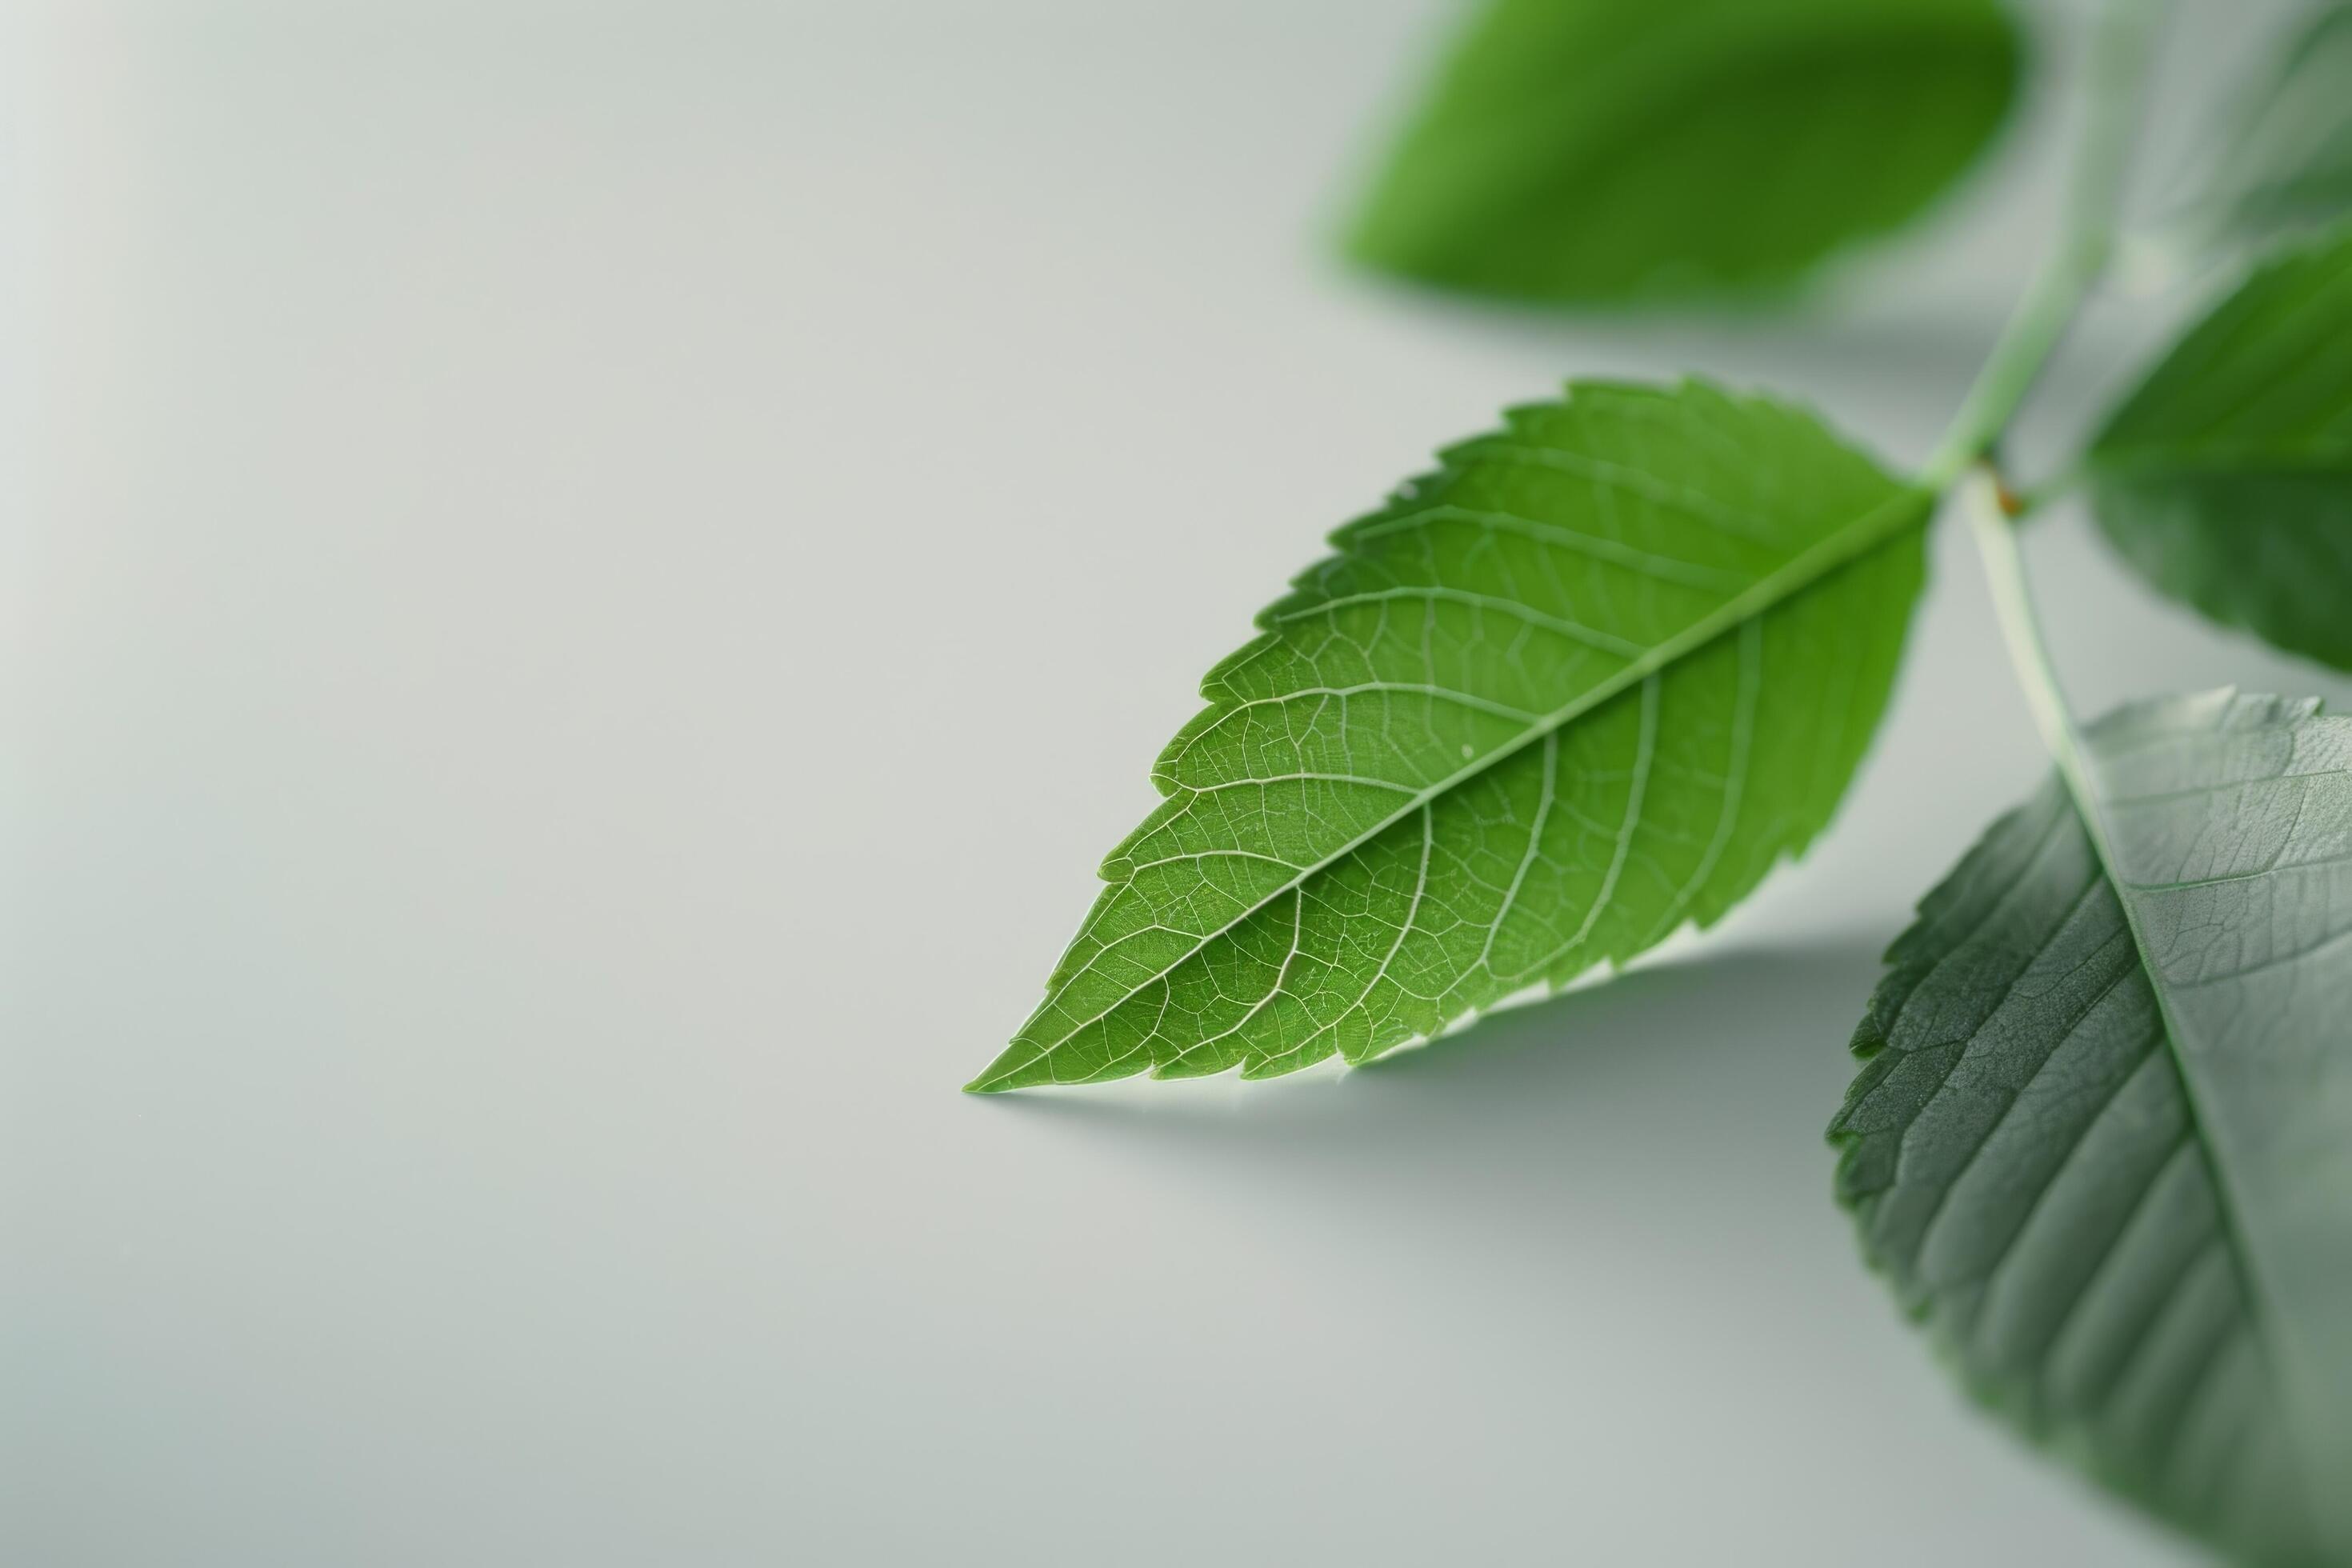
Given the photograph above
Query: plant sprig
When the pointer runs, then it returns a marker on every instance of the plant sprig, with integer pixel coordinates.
(1590, 678)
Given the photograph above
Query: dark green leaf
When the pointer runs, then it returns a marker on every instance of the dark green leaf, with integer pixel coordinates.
(1584, 683)
(1596, 148)
(2226, 480)
(2101, 1138)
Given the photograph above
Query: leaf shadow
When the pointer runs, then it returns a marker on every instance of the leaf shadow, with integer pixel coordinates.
(1688, 1097)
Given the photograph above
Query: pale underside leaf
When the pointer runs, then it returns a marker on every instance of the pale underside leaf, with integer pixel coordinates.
(2102, 1140)
(2288, 166)
(1584, 684)
(2226, 480)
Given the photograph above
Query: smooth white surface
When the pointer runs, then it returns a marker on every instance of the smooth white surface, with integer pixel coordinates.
(585, 587)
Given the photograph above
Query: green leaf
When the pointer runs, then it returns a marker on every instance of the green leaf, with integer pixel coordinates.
(2226, 480)
(2289, 164)
(1599, 148)
(1587, 681)
(2101, 1138)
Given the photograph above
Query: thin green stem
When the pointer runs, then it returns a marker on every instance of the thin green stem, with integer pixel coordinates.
(2121, 48)
(2055, 489)
(2122, 44)
(2014, 603)
(2126, 34)
(2021, 631)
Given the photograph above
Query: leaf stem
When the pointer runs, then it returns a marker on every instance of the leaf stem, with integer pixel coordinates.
(2121, 48)
(2057, 488)
(2122, 44)
(2126, 30)
(2021, 630)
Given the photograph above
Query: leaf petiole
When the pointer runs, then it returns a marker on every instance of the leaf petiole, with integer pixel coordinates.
(2122, 42)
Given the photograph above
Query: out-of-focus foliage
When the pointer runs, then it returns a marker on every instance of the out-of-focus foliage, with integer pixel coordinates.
(2288, 166)
(2226, 480)
(2101, 1137)
(1585, 150)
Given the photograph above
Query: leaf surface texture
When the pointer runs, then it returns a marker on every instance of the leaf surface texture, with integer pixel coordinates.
(2102, 1138)
(1582, 684)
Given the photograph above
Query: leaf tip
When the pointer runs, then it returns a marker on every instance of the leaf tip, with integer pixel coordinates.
(1010, 1071)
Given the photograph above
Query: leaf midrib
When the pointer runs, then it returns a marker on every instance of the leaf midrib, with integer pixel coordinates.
(2088, 806)
(1877, 526)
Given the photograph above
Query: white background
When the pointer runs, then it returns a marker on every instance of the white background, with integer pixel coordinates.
(583, 588)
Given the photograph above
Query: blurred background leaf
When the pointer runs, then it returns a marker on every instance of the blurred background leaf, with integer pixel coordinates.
(2226, 479)
(1597, 150)
(2288, 165)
